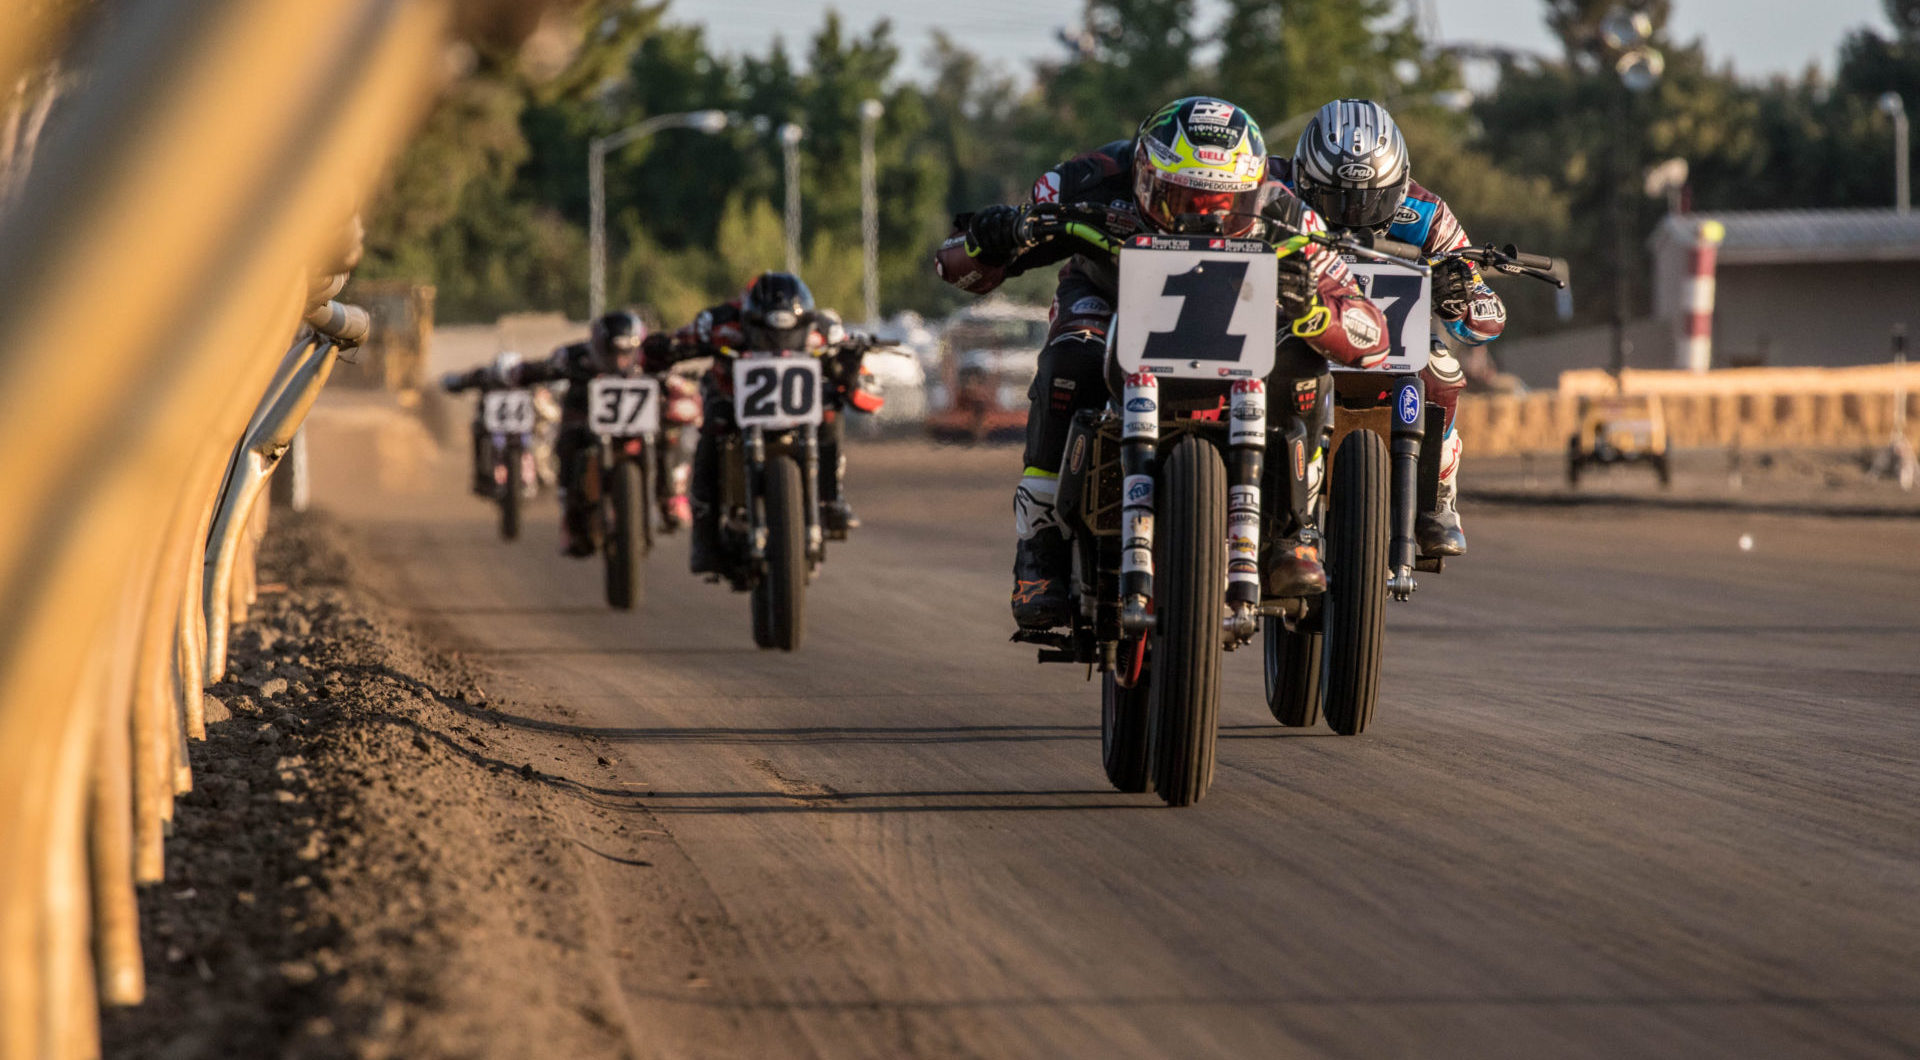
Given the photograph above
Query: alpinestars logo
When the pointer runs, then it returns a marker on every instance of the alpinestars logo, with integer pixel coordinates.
(1212, 112)
(1033, 513)
(1047, 188)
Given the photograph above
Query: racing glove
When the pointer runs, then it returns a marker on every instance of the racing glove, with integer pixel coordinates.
(1453, 283)
(993, 234)
(1285, 215)
(1297, 286)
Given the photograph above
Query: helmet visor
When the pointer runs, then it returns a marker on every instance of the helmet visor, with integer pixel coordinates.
(1236, 211)
(1354, 207)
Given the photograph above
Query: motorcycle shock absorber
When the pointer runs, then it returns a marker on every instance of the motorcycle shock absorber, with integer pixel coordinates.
(1246, 454)
(1139, 437)
(1409, 426)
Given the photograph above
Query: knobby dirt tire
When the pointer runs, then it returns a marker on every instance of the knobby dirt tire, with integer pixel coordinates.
(1123, 731)
(1295, 676)
(780, 598)
(1355, 616)
(510, 493)
(1189, 602)
(626, 506)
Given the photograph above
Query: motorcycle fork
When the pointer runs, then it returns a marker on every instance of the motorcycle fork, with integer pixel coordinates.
(1246, 459)
(1139, 439)
(1409, 427)
(810, 489)
(753, 488)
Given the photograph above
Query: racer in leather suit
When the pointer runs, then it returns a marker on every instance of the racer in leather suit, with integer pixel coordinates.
(1197, 155)
(1371, 189)
(775, 313)
(612, 347)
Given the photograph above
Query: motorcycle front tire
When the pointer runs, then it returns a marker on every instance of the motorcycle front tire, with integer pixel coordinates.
(1189, 599)
(779, 598)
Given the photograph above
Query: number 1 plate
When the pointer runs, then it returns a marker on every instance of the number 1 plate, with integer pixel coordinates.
(776, 392)
(1405, 296)
(623, 407)
(1197, 307)
(507, 411)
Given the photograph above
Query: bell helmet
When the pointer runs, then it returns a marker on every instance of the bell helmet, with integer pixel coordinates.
(777, 312)
(1199, 155)
(1351, 164)
(615, 339)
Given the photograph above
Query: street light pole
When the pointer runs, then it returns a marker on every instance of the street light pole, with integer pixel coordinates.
(1896, 107)
(706, 121)
(790, 135)
(870, 112)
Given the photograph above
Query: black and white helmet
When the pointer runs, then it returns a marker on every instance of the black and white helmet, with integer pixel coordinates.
(1351, 164)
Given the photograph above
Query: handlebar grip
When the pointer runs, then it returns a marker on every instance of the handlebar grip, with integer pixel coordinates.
(1531, 261)
(345, 324)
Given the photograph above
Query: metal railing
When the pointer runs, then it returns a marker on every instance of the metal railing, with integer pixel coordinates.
(152, 266)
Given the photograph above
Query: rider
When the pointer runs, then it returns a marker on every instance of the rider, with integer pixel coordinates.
(495, 375)
(612, 348)
(1198, 155)
(1351, 166)
(776, 312)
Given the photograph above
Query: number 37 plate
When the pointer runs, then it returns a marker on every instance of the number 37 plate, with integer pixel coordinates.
(1197, 307)
(623, 406)
(776, 392)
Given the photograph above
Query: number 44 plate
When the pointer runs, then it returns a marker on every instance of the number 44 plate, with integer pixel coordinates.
(1197, 307)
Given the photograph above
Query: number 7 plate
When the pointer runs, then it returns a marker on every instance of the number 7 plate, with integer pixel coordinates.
(623, 406)
(776, 392)
(1405, 296)
(1197, 307)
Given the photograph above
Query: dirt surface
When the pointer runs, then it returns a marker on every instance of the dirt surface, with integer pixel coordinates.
(371, 864)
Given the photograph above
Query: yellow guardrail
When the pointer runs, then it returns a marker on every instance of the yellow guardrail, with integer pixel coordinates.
(152, 267)
(1782, 407)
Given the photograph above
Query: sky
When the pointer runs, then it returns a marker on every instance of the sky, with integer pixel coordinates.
(1759, 37)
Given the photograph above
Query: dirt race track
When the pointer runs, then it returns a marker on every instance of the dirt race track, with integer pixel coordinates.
(1631, 791)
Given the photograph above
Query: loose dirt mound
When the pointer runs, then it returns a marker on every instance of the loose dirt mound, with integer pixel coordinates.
(369, 865)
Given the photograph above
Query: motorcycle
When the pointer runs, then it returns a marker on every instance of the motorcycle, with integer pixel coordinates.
(507, 424)
(1161, 494)
(624, 413)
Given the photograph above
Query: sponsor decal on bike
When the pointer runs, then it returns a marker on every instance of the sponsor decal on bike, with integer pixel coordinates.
(1141, 404)
(1249, 411)
(1299, 459)
(1077, 454)
(1235, 373)
(1143, 377)
(1354, 171)
(1360, 325)
(1138, 490)
(1408, 404)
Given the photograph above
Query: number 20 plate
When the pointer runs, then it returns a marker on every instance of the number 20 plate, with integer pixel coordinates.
(1197, 307)
(776, 392)
(623, 407)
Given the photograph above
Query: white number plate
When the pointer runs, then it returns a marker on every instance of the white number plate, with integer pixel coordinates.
(622, 406)
(1405, 296)
(1197, 307)
(507, 411)
(776, 392)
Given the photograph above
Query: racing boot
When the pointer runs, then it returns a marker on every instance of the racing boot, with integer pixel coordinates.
(1043, 558)
(703, 546)
(1293, 567)
(675, 512)
(1437, 533)
(837, 517)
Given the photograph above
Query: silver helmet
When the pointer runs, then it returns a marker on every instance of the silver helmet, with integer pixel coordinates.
(1351, 164)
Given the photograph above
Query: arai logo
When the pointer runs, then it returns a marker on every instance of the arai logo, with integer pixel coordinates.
(1354, 171)
(1405, 215)
(1409, 403)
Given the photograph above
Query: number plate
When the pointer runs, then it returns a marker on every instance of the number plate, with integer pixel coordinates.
(1405, 296)
(776, 392)
(1197, 307)
(507, 411)
(622, 406)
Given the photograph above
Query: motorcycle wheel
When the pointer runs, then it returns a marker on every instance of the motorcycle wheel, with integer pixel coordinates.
(510, 492)
(780, 596)
(1123, 731)
(1355, 616)
(1189, 600)
(626, 503)
(1294, 673)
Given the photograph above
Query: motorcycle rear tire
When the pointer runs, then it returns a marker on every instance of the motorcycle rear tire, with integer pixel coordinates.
(1355, 617)
(510, 492)
(1295, 675)
(779, 599)
(626, 505)
(1189, 600)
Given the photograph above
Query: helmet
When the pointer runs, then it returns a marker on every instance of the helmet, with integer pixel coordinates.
(506, 367)
(1351, 164)
(778, 312)
(1199, 155)
(614, 340)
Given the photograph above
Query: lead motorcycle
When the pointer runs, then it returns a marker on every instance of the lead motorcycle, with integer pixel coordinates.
(1161, 493)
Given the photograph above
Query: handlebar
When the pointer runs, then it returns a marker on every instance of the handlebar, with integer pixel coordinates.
(1515, 262)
